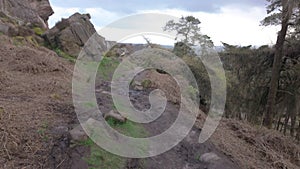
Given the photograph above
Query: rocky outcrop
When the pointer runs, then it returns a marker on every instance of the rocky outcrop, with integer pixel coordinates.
(70, 35)
(151, 78)
(28, 12)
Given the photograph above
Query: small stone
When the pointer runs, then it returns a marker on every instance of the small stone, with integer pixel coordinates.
(78, 134)
(139, 88)
(137, 83)
(209, 158)
(106, 92)
(4, 28)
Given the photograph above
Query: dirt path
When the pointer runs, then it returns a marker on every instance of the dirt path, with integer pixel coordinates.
(187, 153)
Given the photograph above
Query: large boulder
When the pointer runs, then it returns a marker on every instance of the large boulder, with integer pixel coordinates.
(28, 12)
(70, 35)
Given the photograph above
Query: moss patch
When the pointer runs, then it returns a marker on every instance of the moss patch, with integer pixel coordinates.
(100, 158)
(21, 41)
(38, 31)
(64, 55)
(146, 83)
(32, 41)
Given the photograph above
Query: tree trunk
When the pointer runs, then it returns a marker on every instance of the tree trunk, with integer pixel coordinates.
(298, 132)
(286, 13)
(293, 116)
(286, 120)
(279, 121)
(298, 110)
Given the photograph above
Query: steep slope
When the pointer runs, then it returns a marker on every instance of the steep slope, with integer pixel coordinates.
(35, 104)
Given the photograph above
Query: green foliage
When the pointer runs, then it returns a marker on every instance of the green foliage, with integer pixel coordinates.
(6, 19)
(90, 105)
(100, 158)
(192, 92)
(181, 49)
(188, 31)
(146, 83)
(32, 41)
(18, 40)
(201, 76)
(64, 55)
(55, 96)
(275, 16)
(38, 31)
(87, 142)
(21, 41)
(112, 53)
(272, 19)
(128, 128)
(107, 67)
(42, 131)
(197, 156)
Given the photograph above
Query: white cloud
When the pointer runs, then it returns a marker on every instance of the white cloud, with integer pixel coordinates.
(233, 24)
(102, 17)
(156, 39)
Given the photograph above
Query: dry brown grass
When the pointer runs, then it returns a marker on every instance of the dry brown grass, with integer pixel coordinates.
(28, 78)
(256, 147)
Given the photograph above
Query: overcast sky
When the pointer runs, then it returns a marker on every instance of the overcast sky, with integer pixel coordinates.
(232, 21)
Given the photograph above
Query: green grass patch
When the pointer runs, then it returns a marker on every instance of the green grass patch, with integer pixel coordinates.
(32, 41)
(18, 40)
(4, 18)
(146, 83)
(90, 105)
(42, 131)
(107, 67)
(192, 92)
(100, 158)
(128, 128)
(64, 55)
(21, 41)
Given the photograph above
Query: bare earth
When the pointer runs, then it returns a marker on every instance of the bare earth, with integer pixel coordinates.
(36, 114)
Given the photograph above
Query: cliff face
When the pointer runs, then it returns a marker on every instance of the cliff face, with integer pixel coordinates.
(30, 18)
(28, 12)
(70, 35)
